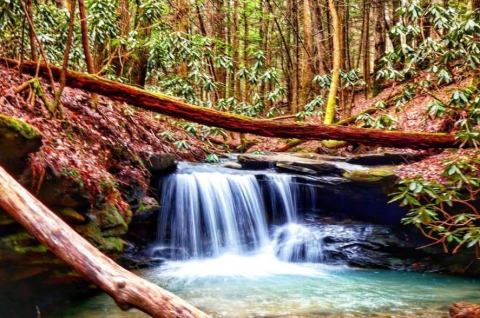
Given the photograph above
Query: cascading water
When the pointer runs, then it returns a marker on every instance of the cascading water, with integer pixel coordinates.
(206, 212)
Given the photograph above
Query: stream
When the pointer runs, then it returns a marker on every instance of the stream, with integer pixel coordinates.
(239, 243)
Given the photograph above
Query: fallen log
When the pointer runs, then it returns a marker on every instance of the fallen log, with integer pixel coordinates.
(127, 289)
(173, 107)
(297, 142)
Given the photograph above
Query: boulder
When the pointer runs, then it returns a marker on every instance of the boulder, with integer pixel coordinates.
(160, 163)
(17, 140)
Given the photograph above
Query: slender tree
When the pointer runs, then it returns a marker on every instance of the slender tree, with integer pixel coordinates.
(85, 42)
(335, 82)
(380, 41)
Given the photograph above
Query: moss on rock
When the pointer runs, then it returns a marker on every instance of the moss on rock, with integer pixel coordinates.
(21, 243)
(13, 125)
(17, 140)
(94, 234)
(376, 174)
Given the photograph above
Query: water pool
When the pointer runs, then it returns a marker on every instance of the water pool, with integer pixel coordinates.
(260, 285)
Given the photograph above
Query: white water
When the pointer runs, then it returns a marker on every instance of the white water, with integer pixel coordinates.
(208, 213)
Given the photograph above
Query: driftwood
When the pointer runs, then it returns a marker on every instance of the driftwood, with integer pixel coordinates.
(127, 289)
(173, 107)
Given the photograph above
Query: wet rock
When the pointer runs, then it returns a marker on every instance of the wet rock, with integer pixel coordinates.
(111, 220)
(257, 161)
(308, 166)
(143, 227)
(232, 165)
(160, 163)
(138, 261)
(146, 207)
(304, 163)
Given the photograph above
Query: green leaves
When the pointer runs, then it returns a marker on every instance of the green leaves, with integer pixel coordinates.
(212, 158)
(446, 210)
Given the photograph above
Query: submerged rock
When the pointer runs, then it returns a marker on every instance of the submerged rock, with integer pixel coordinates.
(464, 310)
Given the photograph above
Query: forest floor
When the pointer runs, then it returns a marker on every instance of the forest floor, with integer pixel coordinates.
(109, 141)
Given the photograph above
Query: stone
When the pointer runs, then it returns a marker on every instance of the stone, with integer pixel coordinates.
(376, 174)
(110, 220)
(146, 206)
(232, 165)
(160, 163)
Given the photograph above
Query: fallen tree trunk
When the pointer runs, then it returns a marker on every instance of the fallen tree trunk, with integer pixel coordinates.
(127, 289)
(297, 142)
(173, 107)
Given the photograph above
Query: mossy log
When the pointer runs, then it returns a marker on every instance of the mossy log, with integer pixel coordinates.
(173, 107)
(127, 289)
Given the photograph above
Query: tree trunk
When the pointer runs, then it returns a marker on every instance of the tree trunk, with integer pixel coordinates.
(380, 42)
(182, 27)
(306, 75)
(337, 60)
(475, 4)
(366, 47)
(85, 42)
(173, 107)
(127, 289)
(31, 31)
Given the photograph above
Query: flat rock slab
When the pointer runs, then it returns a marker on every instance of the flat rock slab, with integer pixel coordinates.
(298, 163)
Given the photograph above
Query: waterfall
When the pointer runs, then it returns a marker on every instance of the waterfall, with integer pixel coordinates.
(207, 212)
(295, 243)
(282, 192)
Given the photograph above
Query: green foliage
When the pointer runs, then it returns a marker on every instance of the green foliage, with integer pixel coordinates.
(212, 158)
(383, 121)
(445, 211)
(457, 43)
(102, 23)
(182, 145)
